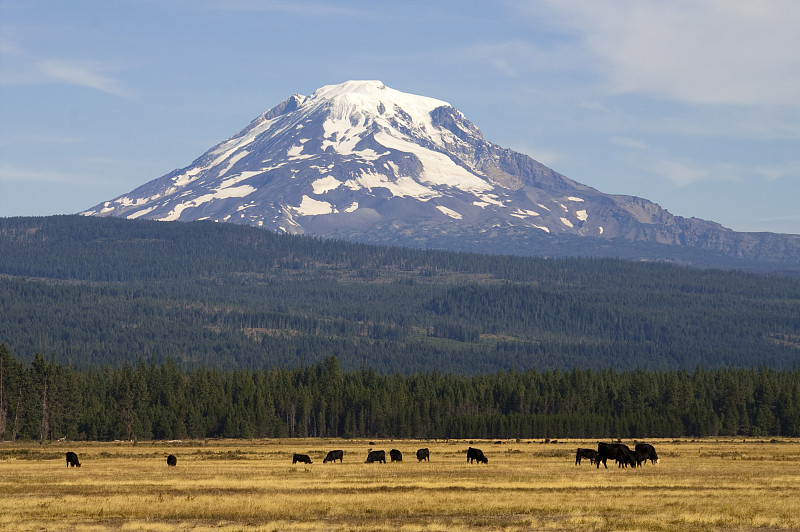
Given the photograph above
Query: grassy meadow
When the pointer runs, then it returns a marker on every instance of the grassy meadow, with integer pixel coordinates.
(251, 485)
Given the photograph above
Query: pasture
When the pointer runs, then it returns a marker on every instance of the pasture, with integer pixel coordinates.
(252, 485)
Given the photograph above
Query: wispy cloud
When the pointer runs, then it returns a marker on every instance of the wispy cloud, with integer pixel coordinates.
(680, 171)
(14, 174)
(783, 171)
(736, 52)
(298, 7)
(18, 67)
(628, 142)
(517, 57)
(82, 74)
(32, 139)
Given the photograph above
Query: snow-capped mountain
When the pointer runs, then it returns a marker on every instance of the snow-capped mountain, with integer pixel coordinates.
(363, 161)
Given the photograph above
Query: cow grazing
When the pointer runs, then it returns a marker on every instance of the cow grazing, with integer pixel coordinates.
(423, 454)
(376, 456)
(617, 451)
(301, 458)
(645, 452)
(72, 460)
(172, 460)
(640, 457)
(591, 454)
(477, 455)
(396, 455)
(333, 456)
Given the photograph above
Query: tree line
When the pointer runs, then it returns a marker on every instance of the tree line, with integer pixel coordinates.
(45, 400)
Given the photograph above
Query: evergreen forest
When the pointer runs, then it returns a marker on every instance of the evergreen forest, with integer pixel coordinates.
(91, 293)
(44, 400)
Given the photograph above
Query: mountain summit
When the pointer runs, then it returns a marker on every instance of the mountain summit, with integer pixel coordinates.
(362, 161)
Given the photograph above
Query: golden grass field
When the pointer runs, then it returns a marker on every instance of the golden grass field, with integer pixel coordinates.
(251, 485)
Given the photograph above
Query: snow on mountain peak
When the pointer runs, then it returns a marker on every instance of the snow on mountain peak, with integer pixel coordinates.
(357, 152)
(371, 100)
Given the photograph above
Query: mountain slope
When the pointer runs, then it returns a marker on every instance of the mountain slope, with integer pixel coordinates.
(363, 161)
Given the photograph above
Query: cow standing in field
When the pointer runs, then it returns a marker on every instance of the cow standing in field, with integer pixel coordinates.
(477, 455)
(72, 460)
(617, 451)
(396, 455)
(645, 452)
(591, 454)
(423, 454)
(333, 456)
(172, 460)
(301, 458)
(376, 456)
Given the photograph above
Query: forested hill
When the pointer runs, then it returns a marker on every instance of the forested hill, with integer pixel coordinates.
(96, 291)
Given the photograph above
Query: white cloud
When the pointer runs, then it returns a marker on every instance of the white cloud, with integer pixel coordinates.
(739, 52)
(81, 74)
(18, 67)
(29, 139)
(14, 174)
(514, 58)
(297, 7)
(775, 172)
(628, 142)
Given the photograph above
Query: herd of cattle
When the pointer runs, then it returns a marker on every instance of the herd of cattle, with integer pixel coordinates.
(620, 452)
(373, 456)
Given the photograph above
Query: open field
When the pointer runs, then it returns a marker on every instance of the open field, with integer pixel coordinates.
(251, 485)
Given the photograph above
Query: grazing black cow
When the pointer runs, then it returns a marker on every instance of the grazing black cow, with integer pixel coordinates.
(423, 454)
(627, 459)
(301, 458)
(172, 460)
(72, 460)
(640, 457)
(476, 454)
(618, 451)
(396, 455)
(645, 452)
(591, 454)
(333, 456)
(376, 456)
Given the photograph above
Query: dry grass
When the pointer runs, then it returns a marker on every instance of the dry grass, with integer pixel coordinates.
(252, 486)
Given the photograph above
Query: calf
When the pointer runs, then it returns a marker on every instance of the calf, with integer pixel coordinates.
(172, 460)
(423, 454)
(333, 456)
(477, 455)
(301, 458)
(72, 460)
(376, 456)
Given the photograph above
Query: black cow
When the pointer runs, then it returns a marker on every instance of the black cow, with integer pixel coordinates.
(618, 451)
(423, 454)
(476, 454)
(72, 460)
(301, 458)
(645, 452)
(333, 456)
(172, 460)
(640, 457)
(376, 456)
(396, 455)
(591, 454)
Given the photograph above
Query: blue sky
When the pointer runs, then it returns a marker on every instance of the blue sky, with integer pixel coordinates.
(694, 105)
